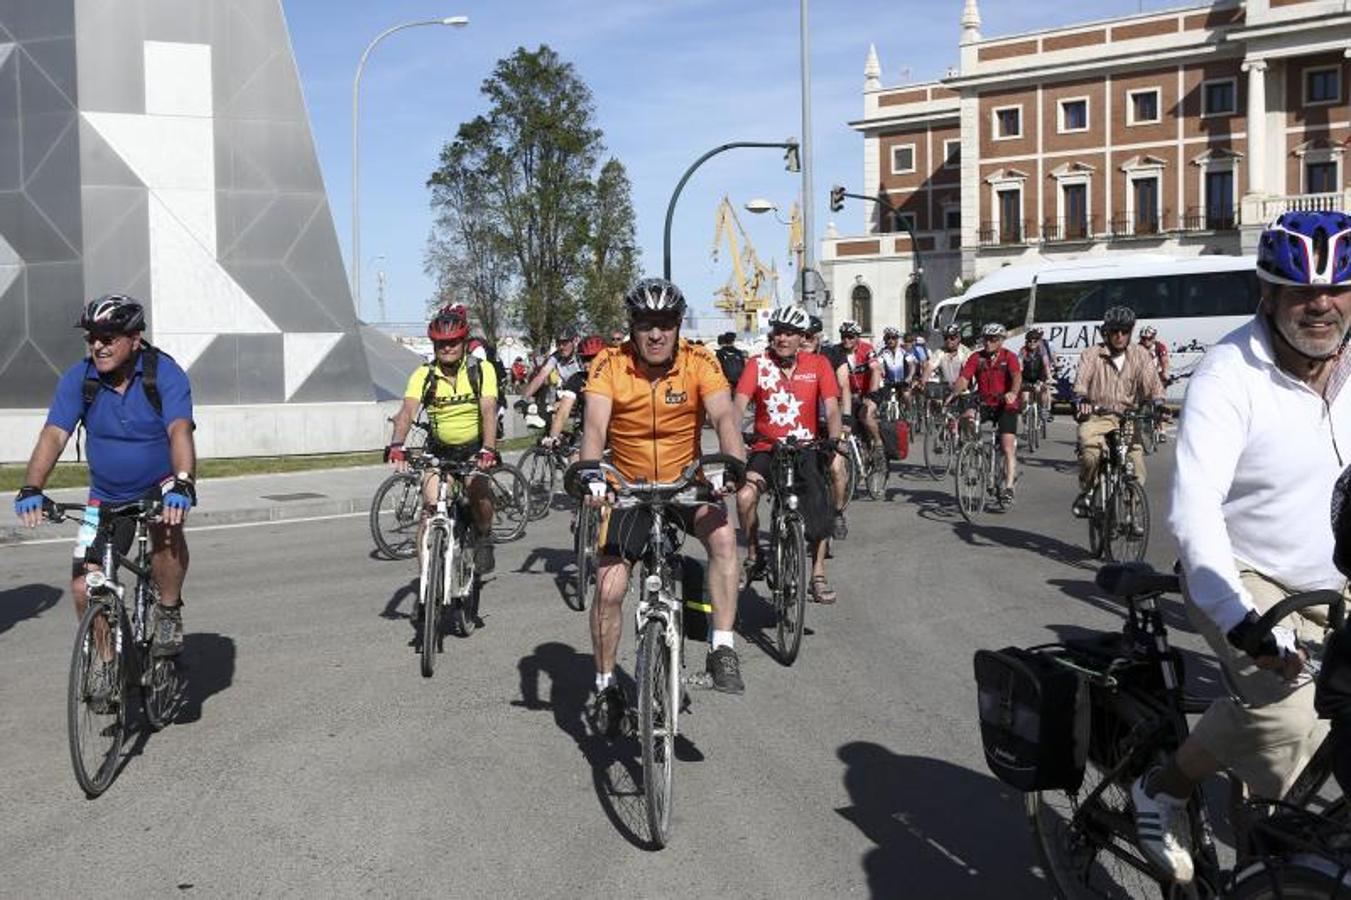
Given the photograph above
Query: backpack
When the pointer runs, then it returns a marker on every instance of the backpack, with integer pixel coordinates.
(475, 386)
(89, 389)
(733, 363)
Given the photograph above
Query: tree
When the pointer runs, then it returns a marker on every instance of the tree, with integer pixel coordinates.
(518, 214)
(612, 263)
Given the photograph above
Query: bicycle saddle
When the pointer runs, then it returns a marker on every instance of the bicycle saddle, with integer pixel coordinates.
(1135, 579)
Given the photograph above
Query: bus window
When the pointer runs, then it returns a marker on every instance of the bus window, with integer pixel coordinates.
(1087, 301)
(1218, 294)
(1008, 308)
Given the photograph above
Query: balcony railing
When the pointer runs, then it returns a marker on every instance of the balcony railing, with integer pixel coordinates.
(1274, 206)
(1198, 219)
(1140, 225)
(1007, 233)
(1061, 231)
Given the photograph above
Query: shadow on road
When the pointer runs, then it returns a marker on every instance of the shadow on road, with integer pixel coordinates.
(1088, 592)
(557, 562)
(26, 602)
(209, 662)
(908, 806)
(934, 504)
(616, 770)
(1020, 539)
(405, 592)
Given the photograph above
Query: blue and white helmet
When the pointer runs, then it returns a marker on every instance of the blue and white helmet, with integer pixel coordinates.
(790, 317)
(1304, 248)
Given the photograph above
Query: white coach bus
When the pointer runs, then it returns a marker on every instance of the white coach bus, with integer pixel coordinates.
(1192, 302)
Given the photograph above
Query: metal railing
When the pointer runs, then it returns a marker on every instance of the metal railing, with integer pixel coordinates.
(1007, 233)
(1198, 219)
(1140, 225)
(1060, 231)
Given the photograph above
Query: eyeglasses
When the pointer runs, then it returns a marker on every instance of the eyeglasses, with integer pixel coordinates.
(787, 332)
(1116, 331)
(452, 342)
(663, 322)
(106, 340)
(617, 338)
(991, 337)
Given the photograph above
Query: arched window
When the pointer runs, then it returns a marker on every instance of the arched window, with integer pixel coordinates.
(862, 308)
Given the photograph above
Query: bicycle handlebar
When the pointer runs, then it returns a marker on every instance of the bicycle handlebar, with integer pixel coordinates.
(61, 512)
(1333, 600)
(734, 467)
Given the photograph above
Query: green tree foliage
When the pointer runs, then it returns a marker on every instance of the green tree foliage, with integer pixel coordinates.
(527, 232)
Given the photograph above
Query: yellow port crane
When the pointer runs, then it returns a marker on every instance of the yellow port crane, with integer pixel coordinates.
(752, 284)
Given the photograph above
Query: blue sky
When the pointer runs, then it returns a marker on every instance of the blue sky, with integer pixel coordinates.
(671, 79)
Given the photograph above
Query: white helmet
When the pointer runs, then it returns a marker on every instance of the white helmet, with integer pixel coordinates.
(794, 317)
(993, 329)
(849, 327)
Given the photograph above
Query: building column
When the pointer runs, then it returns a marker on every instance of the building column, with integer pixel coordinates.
(1257, 124)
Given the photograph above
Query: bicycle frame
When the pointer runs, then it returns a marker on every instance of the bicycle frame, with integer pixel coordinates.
(444, 519)
(104, 588)
(657, 601)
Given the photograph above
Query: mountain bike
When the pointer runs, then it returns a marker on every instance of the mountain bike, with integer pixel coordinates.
(978, 478)
(1137, 711)
(97, 725)
(1118, 508)
(447, 578)
(658, 615)
(542, 466)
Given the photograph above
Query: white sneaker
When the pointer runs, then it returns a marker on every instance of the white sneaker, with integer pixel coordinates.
(1162, 829)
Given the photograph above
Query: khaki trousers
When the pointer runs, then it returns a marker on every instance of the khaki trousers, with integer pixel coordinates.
(1266, 730)
(1092, 444)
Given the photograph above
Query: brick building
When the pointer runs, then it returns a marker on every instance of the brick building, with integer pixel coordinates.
(1181, 132)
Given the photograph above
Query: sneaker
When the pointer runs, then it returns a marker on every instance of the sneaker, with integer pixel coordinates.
(754, 566)
(101, 682)
(840, 530)
(1080, 506)
(168, 634)
(484, 559)
(1163, 437)
(1006, 496)
(1161, 826)
(724, 666)
(608, 711)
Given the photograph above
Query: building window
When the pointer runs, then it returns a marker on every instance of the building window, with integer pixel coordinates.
(1074, 115)
(1142, 107)
(1010, 204)
(1323, 85)
(902, 159)
(1320, 177)
(952, 154)
(1145, 192)
(861, 301)
(904, 220)
(1008, 122)
(1074, 207)
(952, 218)
(1220, 200)
(1219, 98)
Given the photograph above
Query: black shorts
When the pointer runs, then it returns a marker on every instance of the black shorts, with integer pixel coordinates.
(760, 462)
(1005, 419)
(624, 532)
(453, 452)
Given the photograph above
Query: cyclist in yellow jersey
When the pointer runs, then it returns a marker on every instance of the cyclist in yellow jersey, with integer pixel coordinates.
(460, 394)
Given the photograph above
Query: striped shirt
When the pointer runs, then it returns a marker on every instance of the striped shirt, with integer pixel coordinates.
(1100, 382)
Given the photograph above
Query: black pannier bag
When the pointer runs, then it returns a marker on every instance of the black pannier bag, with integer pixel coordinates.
(1033, 719)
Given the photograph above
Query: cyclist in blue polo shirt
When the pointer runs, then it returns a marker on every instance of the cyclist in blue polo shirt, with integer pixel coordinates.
(136, 406)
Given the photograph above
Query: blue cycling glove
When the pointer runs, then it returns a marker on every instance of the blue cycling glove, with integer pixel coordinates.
(28, 499)
(179, 494)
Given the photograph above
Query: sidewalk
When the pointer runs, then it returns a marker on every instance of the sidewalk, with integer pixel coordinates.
(246, 498)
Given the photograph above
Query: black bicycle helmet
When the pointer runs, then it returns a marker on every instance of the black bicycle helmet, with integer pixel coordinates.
(654, 295)
(952, 331)
(1118, 317)
(815, 325)
(116, 313)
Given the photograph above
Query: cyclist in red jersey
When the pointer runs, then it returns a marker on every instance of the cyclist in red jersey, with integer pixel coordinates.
(999, 381)
(860, 379)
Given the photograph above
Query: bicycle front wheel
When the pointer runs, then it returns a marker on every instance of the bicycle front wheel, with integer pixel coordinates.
(464, 586)
(395, 515)
(585, 537)
(511, 503)
(537, 465)
(96, 711)
(1128, 522)
(971, 479)
(1032, 434)
(433, 597)
(656, 706)
(850, 478)
(879, 470)
(790, 584)
(938, 450)
(1148, 433)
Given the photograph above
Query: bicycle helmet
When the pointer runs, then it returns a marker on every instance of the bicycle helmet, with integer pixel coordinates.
(789, 318)
(850, 328)
(1032, 333)
(113, 313)
(449, 324)
(993, 329)
(952, 331)
(1118, 317)
(593, 344)
(921, 340)
(1303, 248)
(1148, 332)
(816, 326)
(567, 333)
(654, 295)
(888, 333)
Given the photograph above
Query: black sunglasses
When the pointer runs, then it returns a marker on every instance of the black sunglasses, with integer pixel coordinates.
(664, 322)
(450, 342)
(103, 337)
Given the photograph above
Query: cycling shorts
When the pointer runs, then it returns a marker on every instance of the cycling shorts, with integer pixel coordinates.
(624, 532)
(761, 463)
(1005, 419)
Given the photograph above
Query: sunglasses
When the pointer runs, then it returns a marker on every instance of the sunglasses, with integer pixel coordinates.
(106, 340)
(1116, 331)
(453, 342)
(617, 338)
(665, 323)
(787, 332)
(991, 337)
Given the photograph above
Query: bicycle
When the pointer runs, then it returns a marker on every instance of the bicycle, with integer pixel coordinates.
(658, 616)
(542, 467)
(1118, 507)
(1137, 711)
(1032, 422)
(447, 577)
(978, 478)
(97, 728)
(946, 433)
(865, 463)
(789, 571)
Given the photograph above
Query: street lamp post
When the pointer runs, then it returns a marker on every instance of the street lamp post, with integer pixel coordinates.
(838, 194)
(457, 21)
(760, 206)
(808, 196)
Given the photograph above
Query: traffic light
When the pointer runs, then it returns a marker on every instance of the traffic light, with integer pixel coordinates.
(791, 160)
(837, 198)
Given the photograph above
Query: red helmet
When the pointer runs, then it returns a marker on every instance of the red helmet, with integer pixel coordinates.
(449, 324)
(591, 346)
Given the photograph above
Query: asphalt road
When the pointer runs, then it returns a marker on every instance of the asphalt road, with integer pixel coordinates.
(314, 759)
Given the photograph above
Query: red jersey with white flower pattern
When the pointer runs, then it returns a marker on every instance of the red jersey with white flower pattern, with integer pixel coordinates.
(785, 405)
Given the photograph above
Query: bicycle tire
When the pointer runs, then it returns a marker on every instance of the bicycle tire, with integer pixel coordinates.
(655, 702)
(938, 451)
(395, 515)
(850, 478)
(95, 736)
(511, 503)
(537, 466)
(161, 687)
(1147, 432)
(1298, 878)
(1032, 436)
(1085, 862)
(432, 602)
(790, 587)
(1129, 509)
(463, 601)
(584, 545)
(878, 472)
(970, 480)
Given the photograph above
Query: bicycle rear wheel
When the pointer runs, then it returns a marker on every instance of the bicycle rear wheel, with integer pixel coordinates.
(790, 586)
(432, 600)
(95, 729)
(537, 465)
(971, 478)
(161, 680)
(1128, 522)
(511, 502)
(655, 705)
(395, 515)
(584, 540)
(464, 599)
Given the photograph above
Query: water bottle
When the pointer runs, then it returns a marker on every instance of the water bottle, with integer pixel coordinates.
(89, 528)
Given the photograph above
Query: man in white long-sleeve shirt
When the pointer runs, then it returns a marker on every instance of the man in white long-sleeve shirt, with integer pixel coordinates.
(1266, 421)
